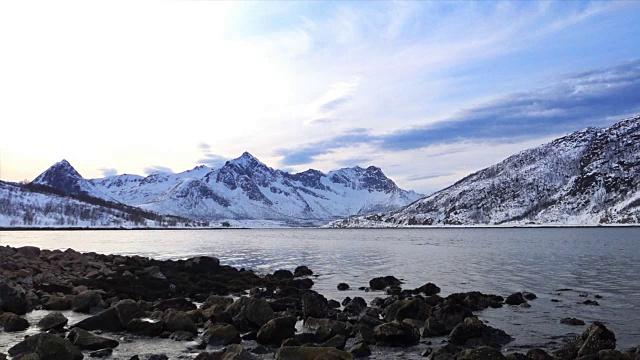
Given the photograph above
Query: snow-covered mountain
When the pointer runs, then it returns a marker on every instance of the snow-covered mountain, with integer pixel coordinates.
(589, 177)
(244, 189)
(34, 205)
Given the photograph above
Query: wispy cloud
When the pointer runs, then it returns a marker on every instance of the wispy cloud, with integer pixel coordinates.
(108, 171)
(208, 158)
(157, 169)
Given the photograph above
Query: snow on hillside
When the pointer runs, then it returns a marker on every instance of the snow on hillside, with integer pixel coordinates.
(589, 177)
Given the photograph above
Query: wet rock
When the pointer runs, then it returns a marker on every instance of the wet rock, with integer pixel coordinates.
(87, 341)
(346, 301)
(343, 286)
(276, 330)
(451, 315)
(181, 335)
(362, 333)
(334, 304)
(446, 352)
(591, 302)
(221, 335)
(356, 306)
(473, 329)
(324, 329)
(260, 350)
(178, 320)
(315, 305)
(179, 304)
(302, 271)
(218, 355)
(53, 320)
(29, 251)
(311, 353)
(283, 274)
(360, 350)
(571, 321)
(152, 272)
(396, 334)
(338, 342)
(84, 301)
(380, 283)
(101, 353)
(369, 321)
(47, 347)
(106, 320)
(516, 356)
(12, 322)
(147, 328)
(12, 299)
(427, 289)
(203, 264)
(433, 327)
(250, 313)
(128, 310)
(597, 337)
(216, 300)
(291, 342)
(538, 354)
(237, 352)
(610, 354)
(529, 295)
(58, 303)
(515, 299)
(482, 353)
(412, 309)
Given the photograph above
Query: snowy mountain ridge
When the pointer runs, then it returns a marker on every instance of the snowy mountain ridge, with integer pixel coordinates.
(243, 189)
(589, 177)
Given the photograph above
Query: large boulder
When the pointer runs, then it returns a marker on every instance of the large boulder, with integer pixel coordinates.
(515, 299)
(380, 283)
(147, 328)
(128, 310)
(250, 313)
(179, 320)
(87, 341)
(597, 337)
(47, 347)
(315, 305)
(324, 329)
(203, 264)
(106, 320)
(302, 271)
(356, 306)
(473, 329)
(396, 334)
(12, 299)
(221, 335)
(311, 353)
(53, 320)
(84, 301)
(29, 251)
(428, 289)
(58, 303)
(12, 322)
(277, 330)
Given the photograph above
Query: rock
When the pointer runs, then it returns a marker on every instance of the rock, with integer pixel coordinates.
(53, 320)
(302, 271)
(428, 289)
(237, 352)
(346, 301)
(128, 310)
(152, 272)
(451, 315)
(101, 353)
(106, 320)
(178, 320)
(538, 354)
(290, 342)
(516, 356)
(28, 356)
(324, 329)
(343, 286)
(380, 283)
(362, 333)
(210, 355)
(529, 295)
(179, 304)
(338, 342)
(411, 309)
(597, 337)
(315, 305)
(261, 350)
(58, 303)
(277, 330)
(87, 341)
(84, 301)
(591, 302)
(609, 354)
(212, 300)
(204, 264)
(433, 327)
(250, 313)
(3, 356)
(474, 329)
(29, 251)
(47, 347)
(482, 353)
(356, 306)
(283, 274)
(148, 328)
(181, 335)
(360, 350)
(515, 299)
(396, 334)
(334, 304)
(12, 299)
(571, 321)
(445, 352)
(311, 353)
(12, 322)
(221, 335)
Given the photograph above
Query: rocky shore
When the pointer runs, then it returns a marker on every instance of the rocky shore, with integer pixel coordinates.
(206, 310)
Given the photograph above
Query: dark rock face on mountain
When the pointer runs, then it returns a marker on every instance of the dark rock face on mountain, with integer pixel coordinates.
(243, 188)
(588, 177)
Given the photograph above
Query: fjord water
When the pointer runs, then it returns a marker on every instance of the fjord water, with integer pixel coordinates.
(589, 261)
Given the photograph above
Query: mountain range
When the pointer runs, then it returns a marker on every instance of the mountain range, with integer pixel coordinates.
(243, 189)
(589, 177)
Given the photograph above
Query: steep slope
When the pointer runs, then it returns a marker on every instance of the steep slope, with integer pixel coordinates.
(63, 176)
(588, 177)
(35, 205)
(247, 189)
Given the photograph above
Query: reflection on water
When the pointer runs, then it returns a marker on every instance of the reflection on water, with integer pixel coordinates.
(599, 261)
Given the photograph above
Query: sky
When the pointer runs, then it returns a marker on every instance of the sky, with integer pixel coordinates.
(428, 91)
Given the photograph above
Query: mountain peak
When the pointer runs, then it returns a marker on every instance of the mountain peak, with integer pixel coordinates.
(63, 176)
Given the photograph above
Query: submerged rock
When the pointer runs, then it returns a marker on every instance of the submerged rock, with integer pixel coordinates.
(571, 321)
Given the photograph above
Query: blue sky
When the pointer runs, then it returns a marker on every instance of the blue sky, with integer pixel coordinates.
(429, 91)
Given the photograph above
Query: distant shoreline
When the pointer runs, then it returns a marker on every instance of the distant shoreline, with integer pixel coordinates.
(312, 227)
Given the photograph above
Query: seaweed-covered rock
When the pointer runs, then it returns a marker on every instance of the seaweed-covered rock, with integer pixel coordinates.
(597, 337)
(47, 347)
(53, 320)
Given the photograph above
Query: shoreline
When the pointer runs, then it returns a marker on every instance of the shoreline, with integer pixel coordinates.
(207, 307)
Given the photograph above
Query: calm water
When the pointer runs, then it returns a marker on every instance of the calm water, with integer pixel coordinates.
(501, 261)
